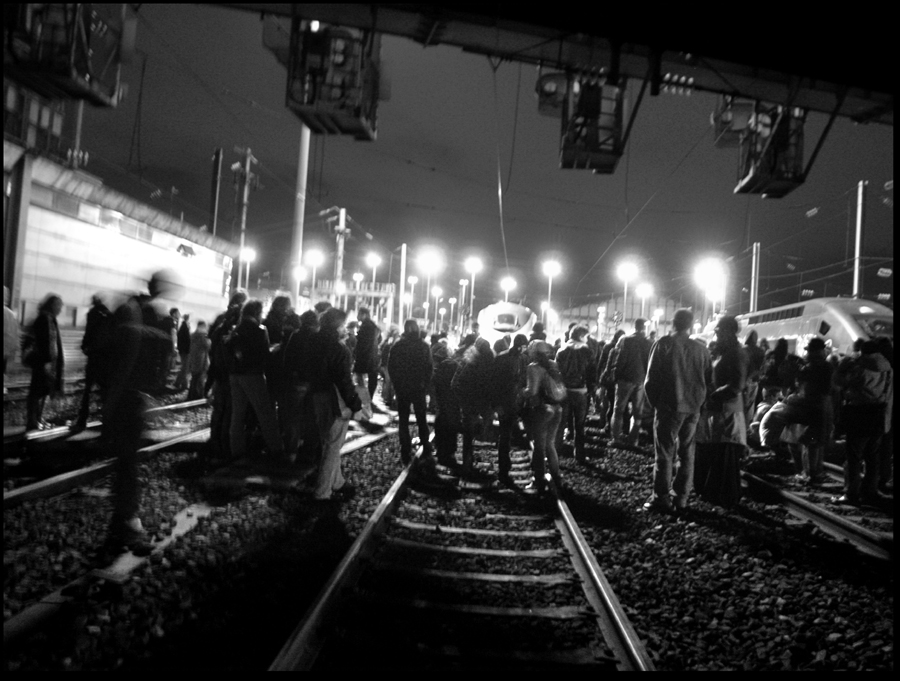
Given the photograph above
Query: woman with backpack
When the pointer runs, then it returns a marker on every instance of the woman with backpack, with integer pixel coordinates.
(45, 357)
(544, 390)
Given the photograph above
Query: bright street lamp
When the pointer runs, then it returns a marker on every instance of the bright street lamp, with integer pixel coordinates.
(373, 260)
(358, 277)
(452, 302)
(473, 266)
(551, 269)
(314, 259)
(413, 280)
(431, 262)
(248, 255)
(643, 292)
(299, 272)
(443, 311)
(626, 272)
(507, 284)
(437, 292)
(710, 277)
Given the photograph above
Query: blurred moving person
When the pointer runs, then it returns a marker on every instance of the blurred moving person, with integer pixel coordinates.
(96, 346)
(183, 346)
(410, 366)
(46, 361)
(198, 361)
(10, 334)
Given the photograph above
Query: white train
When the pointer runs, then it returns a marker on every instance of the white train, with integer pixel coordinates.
(499, 319)
(838, 321)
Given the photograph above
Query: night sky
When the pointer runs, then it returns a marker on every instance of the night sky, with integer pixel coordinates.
(203, 79)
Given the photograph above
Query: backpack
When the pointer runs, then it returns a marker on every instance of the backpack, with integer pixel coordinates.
(553, 389)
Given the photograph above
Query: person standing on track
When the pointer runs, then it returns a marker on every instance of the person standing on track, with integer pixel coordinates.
(96, 345)
(508, 384)
(198, 361)
(334, 400)
(679, 373)
(249, 349)
(10, 334)
(169, 325)
(217, 378)
(139, 348)
(46, 362)
(575, 361)
(410, 366)
(630, 370)
(368, 338)
(183, 345)
(543, 414)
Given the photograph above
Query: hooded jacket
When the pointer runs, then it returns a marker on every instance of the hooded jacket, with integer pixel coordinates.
(410, 365)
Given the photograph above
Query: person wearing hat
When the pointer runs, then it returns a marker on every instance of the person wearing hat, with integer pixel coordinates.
(543, 414)
(717, 471)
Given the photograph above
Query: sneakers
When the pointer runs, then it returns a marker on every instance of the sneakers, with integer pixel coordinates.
(657, 506)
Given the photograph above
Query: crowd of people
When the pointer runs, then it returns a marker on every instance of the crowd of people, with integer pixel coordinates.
(284, 387)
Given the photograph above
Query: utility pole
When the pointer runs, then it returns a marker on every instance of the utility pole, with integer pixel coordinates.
(860, 202)
(754, 277)
(299, 212)
(216, 183)
(245, 179)
(341, 230)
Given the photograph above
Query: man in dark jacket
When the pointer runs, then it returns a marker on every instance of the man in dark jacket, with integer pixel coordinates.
(183, 345)
(576, 366)
(217, 378)
(679, 373)
(508, 386)
(368, 338)
(249, 346)
(630, 370)
(334, 400)
(138, 348)
(96, 346)
(472, 386)
(410, 366)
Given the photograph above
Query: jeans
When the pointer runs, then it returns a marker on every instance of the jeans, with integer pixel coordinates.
(574, 413)
(627, 392)
(94, 374)
(673, 433)
(249, 390)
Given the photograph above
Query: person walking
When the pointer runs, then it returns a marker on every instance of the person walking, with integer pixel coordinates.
(448, 412)
(46, 361)
(410, 366)
(198, 361)
(384, 353)
(249, 348)
(543, 414)
(606, 381)
(139, 348)
(300, 428)
(576, 364)
(334, 400)
(183, 347)
(368, 338)
(717, 469)
(629, 366)
(10, 334)
(96, 346)
(679, 373)
(472, 386)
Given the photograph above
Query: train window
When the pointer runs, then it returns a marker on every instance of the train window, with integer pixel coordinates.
(824, 328)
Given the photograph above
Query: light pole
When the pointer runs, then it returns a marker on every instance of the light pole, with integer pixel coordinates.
(443, 311)
(452, 302)
(413, 280)
(643, 292)
(463, 283)
(544, 307)
(473, 266)
(373, 260)
(430, 261)
(507, 284)
(657, 315)
(626, 271)
(358, 277)
(314, 259)
(248, 255)
(437, 292)
(710, 277)
(551, 269)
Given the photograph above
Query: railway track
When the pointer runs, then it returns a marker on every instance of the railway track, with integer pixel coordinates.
(477, 579)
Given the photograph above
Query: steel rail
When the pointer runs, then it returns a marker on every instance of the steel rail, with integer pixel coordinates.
(306, 642)
(620, 634)
(878, 545)
(67, 481)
